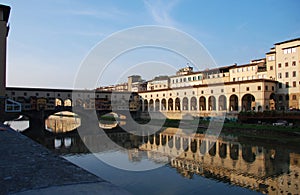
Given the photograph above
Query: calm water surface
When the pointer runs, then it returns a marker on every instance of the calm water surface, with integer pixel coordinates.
(185, 163)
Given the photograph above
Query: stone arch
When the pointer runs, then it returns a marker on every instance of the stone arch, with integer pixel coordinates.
(163, 104)
(151, 105)
(185, 103)
(157, 139)
(212, 150)
(222, 102)
(177, 143)
(202, 103)
(170, 141)
(203, 147)
(234, 103)
(177, 104)
(157, 103)
(248, 102)
(163, 140)
(193, 103)
(194, 144)
(170, 104)
(211, 103)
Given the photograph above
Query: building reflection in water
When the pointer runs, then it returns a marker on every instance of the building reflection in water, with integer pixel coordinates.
(62, 122)
(267, 169)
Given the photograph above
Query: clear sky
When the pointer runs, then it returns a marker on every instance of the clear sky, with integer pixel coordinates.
(49, 39)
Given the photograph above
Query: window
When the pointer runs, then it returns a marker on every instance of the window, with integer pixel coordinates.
(287, 97)
(286, 84)
(259, 88)
(199, 77)
(294, 63)
(232, 70)
(279, 65)
(36, 94)
(294, 84)
(271, 58)
(294, 73)
(184, 93)
(293, 49)
(222, 90)
(247, 89)
(170, 94)
(176, 80)
(156, 95)
(184, 79)
(267, 88)
(271, 67)
(13, 93)
(180, 80)
(178, 94)
(279, 75)
(279, 85)
(211, 91)
(294, 97)
(164, 95)
(273, 88)
(233, 89)
(286, 64)
(202, 92)
(287, 75)
(193, 93)
(233, 79)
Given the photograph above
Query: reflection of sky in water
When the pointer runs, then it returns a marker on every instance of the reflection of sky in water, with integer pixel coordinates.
(163, 180)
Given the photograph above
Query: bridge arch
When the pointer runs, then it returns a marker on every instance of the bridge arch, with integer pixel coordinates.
(247, 154)
(234, 151)
(222, 150)
(68, 102)
(59, 102)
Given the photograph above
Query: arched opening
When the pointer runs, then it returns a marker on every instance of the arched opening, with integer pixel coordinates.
(163, 140)
(58, 102)
(68, 103)
(151, 105)
(247, 154)
(170, 141)
(222, 150)
(234, 152)
(151, 139)
(211, 103)
(177, 143)
(203, 147)
(194, 146)
(157, 139)
(177, 104)
(146, 106)
(170, 104)
(222, 102)
(202, 103)
(157, 105)
(185, 104)
(234, 103)
(185, 144)
(248, 102)
(212, 150)
(272, 102)
(193, 103)
(163, 104)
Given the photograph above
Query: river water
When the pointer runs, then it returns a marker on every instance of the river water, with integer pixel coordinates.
(175, 161)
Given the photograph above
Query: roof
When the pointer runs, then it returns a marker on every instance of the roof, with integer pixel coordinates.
(287, 41)
(6, 12)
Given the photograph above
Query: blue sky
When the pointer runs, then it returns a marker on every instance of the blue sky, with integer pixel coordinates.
(49, 39)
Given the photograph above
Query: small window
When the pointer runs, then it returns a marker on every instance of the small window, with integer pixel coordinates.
(247, 89)
(287, 85)
(279, 85)
(286, 64)
(170, 94)
(259, 88)
(273, 88)
(233, 89)
(294, 83)
(222, 90)
(36, 94)
(279, 65)
(13, 93)
(271, 67)
(279, 75)
(294, 73)
(233, 79)
(202, 92)
(294, 97)
(287, 97)
(267, 88)
(211, 91)
(286, 74)
(294, 63)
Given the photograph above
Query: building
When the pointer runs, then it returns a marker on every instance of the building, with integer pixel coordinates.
(4, 29)
(270, 83)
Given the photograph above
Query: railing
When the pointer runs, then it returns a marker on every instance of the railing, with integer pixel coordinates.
(12, 106)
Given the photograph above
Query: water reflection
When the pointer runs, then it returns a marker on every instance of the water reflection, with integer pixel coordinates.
(62, 122)
(266, 168)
